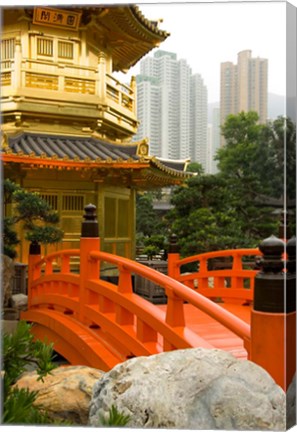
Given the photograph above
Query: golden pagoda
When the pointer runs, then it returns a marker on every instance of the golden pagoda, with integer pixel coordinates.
(68, 123)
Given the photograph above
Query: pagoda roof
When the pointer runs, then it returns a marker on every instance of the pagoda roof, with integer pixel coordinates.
(129, 33)
(123, 28)
(88, 152)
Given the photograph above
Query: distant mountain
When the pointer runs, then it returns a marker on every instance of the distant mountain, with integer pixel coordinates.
(276, 107)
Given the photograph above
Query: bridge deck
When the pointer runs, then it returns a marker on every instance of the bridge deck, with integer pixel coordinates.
(213, 332)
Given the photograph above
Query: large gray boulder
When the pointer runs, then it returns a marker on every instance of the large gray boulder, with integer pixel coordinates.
(190, 389)
(291, 403)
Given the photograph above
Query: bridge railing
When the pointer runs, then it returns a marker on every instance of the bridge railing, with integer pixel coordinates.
(116, 309)
(176, 292)
(137, 327)
(234, 282)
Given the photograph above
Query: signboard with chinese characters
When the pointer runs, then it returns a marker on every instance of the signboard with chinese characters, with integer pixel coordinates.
(56, 18)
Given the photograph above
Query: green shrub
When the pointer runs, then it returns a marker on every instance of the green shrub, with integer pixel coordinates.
(116, 418)
(19, 351)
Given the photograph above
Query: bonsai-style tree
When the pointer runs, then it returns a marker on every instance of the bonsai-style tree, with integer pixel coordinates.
(37, 217)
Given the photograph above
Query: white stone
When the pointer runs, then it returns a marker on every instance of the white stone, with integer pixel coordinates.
(191, 389)
(19, 301)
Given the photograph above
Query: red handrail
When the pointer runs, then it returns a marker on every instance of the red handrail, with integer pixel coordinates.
(220, 253)
(171, 325)
(176, 291)
(200, 280)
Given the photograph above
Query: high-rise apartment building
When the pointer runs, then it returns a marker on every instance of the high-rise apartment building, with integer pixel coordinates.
(215, 138)
(213, 141)
(172, 108)
(244, 86)
(198, 120)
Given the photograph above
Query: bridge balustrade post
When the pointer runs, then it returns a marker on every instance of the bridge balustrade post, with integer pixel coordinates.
(273, 316)
(173, 257)
(33, 273)
(290, 334)
(89, 242)
(175, 305)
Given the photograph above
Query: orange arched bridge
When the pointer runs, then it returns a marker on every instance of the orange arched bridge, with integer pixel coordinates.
(94, 322)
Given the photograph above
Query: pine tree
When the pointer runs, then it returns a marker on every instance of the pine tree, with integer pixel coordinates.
(38, 219)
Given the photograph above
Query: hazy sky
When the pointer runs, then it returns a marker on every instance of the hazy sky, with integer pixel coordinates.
(206, 34)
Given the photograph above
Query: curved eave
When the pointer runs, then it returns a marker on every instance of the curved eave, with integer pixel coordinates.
(143, 173)
(66, 164)
(130, 35)
(157, 164)
(153, 178)
(133, 15)
(151, 26)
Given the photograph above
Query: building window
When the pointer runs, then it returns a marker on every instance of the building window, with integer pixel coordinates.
(123, 218)
(54, 49)
(45, 47)
(72, 202)
(7, 49)
(52, 200)
(116, 217)
(65, 50)
(110, 217)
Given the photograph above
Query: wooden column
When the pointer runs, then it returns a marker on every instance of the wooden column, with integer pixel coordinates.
(89, 241)
(101, 83)
(273, 319)
(17, 82)
(33, 273)
(173, 257)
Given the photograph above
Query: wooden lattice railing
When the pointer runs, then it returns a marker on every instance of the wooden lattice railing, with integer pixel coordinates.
(119, 313)
(234, 281)
(100, 323)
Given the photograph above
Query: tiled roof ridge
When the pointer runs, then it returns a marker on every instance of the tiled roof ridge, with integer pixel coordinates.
(77, 148)
(88, 150)
(66, 136)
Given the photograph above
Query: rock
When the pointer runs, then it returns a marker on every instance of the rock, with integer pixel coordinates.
(190, 389)
(66, 393)
(291, 404)
(7, 272)
(19, 301)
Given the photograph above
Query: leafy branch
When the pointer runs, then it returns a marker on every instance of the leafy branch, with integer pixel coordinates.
(20, 350)
(38, 219)
(115, 418)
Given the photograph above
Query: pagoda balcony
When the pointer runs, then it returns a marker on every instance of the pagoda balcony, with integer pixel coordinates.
(88, 94)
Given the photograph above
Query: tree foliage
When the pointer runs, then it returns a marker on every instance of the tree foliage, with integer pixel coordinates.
(259, 156)
(151, 228)
(147, 221)
(225, 210)
(19, 351)
(35, 215)
(195, 167)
